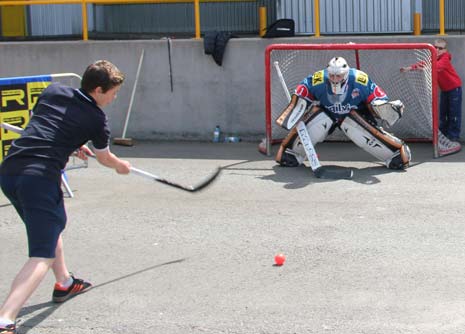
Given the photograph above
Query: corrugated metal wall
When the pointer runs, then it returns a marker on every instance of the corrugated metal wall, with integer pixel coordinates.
(238, 17)
(454, 15)
(336, 17)
(56, 20)
(349, 16)
(301, 11)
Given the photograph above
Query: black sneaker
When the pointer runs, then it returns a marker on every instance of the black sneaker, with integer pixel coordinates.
(8, 329)
(61, 294)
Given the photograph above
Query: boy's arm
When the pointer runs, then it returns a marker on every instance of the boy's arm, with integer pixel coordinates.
(110, 160)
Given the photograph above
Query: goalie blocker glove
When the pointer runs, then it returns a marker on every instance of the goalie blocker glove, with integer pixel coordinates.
(292, 113)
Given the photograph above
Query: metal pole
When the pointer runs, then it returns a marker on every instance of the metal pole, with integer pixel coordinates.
(197, 18)
(316, 16)
(131, 101)
(262, 21)
(85, 35)
(442, 30)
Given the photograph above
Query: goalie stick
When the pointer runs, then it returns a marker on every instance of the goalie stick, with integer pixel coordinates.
(190, 188)
(320, 171)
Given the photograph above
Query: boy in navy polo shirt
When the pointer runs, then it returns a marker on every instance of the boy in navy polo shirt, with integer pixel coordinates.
(64, 120)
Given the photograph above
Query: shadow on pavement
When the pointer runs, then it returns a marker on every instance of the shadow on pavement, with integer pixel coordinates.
(50, 307)
(327, 151)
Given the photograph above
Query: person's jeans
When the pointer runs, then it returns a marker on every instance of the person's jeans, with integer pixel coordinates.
(450, 113)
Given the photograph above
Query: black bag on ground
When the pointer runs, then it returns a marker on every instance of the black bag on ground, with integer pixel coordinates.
(280, 28)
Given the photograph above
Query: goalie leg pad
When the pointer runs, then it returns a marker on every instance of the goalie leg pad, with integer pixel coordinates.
(291, 152)
(382, 145)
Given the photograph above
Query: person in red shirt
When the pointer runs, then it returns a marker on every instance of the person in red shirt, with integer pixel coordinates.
(450, 84)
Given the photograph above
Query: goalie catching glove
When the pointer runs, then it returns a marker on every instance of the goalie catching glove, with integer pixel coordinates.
(388, 112)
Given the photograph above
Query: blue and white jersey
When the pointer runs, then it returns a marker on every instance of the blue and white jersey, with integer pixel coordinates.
(358, 91)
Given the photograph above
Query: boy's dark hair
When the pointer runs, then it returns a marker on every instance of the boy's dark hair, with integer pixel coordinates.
(103, 74)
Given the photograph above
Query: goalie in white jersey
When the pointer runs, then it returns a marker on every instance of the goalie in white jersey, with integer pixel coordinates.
(344, 97)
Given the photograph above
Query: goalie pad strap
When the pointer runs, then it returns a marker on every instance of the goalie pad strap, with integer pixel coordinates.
(382, 145)
(393, 143)
(292, 113)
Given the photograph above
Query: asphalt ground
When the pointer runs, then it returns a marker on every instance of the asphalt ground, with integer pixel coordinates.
(382, 253)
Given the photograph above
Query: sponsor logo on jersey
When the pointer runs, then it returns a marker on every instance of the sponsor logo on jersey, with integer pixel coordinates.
(318, 78)
(341, 109)
(361, 78)
(355, 93)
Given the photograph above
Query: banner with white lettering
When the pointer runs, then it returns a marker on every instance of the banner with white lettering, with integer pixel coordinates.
(18, 96)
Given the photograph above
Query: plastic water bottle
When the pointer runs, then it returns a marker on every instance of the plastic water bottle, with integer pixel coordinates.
(216, 134)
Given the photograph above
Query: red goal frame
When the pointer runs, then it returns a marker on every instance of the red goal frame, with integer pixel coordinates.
(269, 140)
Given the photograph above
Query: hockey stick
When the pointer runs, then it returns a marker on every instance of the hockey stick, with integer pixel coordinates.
(319, 170)
(190, 188)
(140, 172)
(170, 64)
(123, 140)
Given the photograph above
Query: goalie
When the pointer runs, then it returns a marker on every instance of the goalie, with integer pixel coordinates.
(343, 97)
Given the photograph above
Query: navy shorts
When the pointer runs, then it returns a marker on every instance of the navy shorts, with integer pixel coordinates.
(39, 202)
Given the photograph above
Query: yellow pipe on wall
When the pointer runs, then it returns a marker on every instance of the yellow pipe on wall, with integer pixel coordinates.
(197, 18)
(417, 24)
(316, 15)
(262, 21)
(442, 30)
(85, 33)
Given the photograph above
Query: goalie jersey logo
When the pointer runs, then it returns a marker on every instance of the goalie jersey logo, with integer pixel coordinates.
(360, 90)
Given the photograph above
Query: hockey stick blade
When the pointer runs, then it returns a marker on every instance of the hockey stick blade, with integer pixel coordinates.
(207, 181)
(325, 172)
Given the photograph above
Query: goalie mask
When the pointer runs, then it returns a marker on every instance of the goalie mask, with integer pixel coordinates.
(338, 72)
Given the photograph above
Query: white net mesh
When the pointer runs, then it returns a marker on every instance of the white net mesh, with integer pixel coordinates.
(413, 88)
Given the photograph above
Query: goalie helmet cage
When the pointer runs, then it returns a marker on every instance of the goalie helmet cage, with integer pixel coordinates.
(286, 65)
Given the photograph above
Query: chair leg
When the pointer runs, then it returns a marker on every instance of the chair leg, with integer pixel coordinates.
(64, 181)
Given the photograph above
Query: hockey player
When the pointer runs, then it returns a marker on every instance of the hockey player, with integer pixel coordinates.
(344, 97)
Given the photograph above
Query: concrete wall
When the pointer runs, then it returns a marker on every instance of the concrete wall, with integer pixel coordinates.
(204, 94)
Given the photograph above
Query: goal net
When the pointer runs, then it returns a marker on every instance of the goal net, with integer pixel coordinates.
(286, 65)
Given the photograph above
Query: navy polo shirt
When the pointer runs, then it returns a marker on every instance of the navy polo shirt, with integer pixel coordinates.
(63, 120)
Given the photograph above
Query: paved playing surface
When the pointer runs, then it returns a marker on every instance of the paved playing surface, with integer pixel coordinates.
(383, 253)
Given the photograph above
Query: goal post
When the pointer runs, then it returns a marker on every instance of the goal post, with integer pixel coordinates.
(286, 65)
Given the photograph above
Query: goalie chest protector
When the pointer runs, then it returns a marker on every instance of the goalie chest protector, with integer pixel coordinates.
(280, 28)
